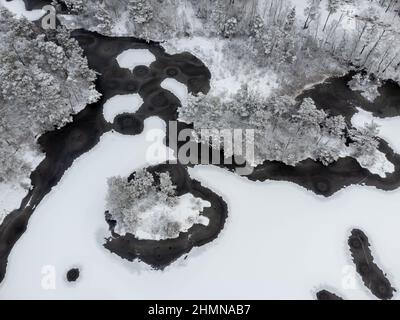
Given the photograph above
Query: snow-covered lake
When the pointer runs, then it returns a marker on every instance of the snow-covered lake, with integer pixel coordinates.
(280, 241)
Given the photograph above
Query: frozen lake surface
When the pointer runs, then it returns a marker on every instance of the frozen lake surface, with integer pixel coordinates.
(280, 241)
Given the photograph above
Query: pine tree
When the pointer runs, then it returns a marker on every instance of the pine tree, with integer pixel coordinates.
(141, 11)
(332, 6)
(312, 12)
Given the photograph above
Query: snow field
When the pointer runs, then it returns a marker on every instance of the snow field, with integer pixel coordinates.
(119, 104)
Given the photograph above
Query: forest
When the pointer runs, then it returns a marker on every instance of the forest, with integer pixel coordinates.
(94, 183)
(44, 80)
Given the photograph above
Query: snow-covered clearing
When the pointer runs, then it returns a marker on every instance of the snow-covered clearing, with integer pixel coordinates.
(227, 77)
(177, 88)
(18, 8)
(132, 58)
(185, 213)
(12, 193)
(389, 128)
(119, 104)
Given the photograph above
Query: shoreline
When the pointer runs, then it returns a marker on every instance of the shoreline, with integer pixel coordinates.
(66, 144)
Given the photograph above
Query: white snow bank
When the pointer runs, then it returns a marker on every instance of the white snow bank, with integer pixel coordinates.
(18, 8)
(185, 213)
(348, 22)
(12, 193)
(226, 77)
(376, 162)
(380, 165)
(119, 104)
(132, 58)
(389, 128)
(177, 88)
(11, 197)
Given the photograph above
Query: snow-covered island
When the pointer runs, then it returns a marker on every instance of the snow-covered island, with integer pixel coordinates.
(92, 182)
(150, 209)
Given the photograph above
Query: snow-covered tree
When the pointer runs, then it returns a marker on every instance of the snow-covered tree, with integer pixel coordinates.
(127, 198)
(143, 205)
(335, 126)
(230, 27)
(74, 6)
(290, 20)
(167, 188)
(141, 11)
(312, 12)
(327, 155)
(257, 28)
(365, 141)
(308, 114)
(366, 86)
(332, 7)
(284, 130)
(147, 19)
(44, 79)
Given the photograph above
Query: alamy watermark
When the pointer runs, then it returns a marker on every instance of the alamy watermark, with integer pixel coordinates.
(225, 147)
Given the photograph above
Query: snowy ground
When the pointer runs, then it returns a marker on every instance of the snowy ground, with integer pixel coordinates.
(389, 128)
(349, 10)
(18, 8)
(119, 104)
